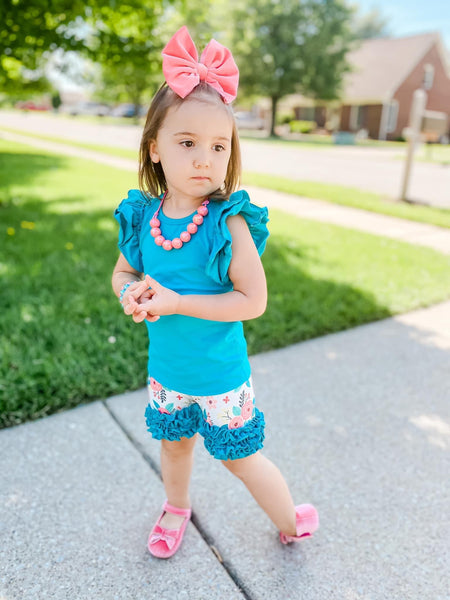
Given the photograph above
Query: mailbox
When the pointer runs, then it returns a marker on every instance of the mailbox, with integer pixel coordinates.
(434, 125)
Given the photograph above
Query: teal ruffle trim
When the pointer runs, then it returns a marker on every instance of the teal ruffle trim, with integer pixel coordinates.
(256, 218)
(181, 423)
(229, 444)
(129, 215)
(221, 442)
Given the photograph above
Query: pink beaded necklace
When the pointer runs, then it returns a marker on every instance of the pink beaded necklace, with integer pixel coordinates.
(185, 236)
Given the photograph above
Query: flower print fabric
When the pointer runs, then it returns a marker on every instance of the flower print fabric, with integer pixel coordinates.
(230, 424)
(233, 409)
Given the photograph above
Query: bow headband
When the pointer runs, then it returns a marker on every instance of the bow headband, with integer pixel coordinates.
(183, 71)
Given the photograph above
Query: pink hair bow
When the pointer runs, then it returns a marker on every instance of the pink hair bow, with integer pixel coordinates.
(183, 71)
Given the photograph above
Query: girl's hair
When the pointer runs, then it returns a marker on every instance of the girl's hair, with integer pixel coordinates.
(152, 181)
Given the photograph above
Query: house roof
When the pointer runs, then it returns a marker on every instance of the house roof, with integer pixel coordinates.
(380, 66)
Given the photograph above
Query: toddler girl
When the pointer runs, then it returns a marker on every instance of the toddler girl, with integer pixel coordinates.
(190, 267)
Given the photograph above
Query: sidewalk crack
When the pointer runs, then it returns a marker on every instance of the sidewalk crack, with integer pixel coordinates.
(196, 523)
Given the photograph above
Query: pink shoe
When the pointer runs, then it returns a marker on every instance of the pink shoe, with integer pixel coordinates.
(307, 519)
(162, 542)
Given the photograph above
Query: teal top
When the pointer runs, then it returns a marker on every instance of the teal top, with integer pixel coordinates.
(192, 356)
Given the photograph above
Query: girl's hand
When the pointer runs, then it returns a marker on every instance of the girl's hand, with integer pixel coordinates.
(133, 298)
(163, 301)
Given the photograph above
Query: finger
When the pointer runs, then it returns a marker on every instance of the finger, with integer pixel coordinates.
(139, 317)
(130, 307)
(138, 290)
(153, 283)
(152, 318)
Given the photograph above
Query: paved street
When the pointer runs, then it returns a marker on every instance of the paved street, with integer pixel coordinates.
(372, 169)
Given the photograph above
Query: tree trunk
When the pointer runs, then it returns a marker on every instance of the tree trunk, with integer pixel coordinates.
(274, 100)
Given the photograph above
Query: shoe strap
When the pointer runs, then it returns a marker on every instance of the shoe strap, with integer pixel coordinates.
(181, 512)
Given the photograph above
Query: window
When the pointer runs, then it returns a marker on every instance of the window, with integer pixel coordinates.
(428, 77)
(392, 115)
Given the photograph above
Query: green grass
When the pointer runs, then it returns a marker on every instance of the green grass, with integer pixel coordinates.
(64, 337)
(315, 141)
(338, 194)
(435, 153)
(348, 196)
(110, 150)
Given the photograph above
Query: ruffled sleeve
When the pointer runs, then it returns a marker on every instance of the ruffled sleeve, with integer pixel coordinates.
(256, 218)
(129, 215)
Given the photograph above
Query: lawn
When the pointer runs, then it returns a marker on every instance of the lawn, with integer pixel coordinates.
(64, 339)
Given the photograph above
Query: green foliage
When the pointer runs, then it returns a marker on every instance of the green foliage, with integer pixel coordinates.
(284, 118)
(302, 126)
(122, 37)
(29, 29)
(370, 25)
(64, 338)
(56, 100)
(290, 46)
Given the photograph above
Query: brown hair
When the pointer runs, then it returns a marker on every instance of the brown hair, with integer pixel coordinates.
(152, 181)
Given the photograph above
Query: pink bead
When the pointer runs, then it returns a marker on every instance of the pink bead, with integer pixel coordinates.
(177, 243)
(192, 228)
(160, 240)
(185, 236)
(167, 245)
(155, 231)
(202, 211)
(198, 219)
(155, 222)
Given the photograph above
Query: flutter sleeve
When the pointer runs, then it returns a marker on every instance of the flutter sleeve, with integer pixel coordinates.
(129, 215)
(256, 218)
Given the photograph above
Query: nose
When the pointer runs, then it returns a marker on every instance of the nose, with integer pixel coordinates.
(201, 159)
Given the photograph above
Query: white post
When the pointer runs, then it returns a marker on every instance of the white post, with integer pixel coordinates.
(415, 121)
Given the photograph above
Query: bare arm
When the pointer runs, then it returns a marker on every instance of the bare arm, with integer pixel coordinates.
(247, 300)
(123, 273)
(136, 293)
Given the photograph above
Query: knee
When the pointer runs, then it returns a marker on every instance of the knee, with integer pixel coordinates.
(178, 448)
(240, 467)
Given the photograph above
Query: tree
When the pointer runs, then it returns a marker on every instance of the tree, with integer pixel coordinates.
(31, 28)
(370, 25)
(127, 43)
(121, 36)
(288, 46)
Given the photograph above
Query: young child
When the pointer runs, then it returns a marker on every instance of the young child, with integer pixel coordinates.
(190, 267)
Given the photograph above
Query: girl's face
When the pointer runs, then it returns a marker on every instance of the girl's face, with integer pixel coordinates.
(193, 146)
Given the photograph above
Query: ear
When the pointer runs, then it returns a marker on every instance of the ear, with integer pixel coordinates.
(153, 150)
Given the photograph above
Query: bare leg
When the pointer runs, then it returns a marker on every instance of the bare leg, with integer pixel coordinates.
(268, 487)
(176, 467)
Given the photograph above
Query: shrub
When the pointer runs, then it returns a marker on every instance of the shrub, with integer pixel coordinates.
(302, 126)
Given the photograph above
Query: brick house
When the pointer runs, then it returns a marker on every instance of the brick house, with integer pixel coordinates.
(377, 93)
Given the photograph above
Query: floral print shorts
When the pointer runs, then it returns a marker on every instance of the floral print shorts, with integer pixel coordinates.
(230, 423)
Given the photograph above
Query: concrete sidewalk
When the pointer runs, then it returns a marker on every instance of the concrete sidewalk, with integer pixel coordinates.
(437, 238)
(357, 421)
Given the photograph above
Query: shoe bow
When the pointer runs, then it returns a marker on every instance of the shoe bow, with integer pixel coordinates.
(163, 536)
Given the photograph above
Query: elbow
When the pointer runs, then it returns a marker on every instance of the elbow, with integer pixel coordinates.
(261, 308)
(258, 306)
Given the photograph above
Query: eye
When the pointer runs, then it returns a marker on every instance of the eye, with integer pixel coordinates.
(187, 143)
(219, 147)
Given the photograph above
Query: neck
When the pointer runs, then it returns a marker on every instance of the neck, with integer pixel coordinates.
(178, 207)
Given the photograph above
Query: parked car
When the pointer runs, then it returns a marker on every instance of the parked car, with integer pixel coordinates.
(247, 120)
(30, 105)
(89, 108)
(127, 109)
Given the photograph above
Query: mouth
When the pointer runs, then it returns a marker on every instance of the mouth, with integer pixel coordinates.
(200, 178)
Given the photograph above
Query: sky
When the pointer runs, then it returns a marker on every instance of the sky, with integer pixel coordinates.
(409, 17)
